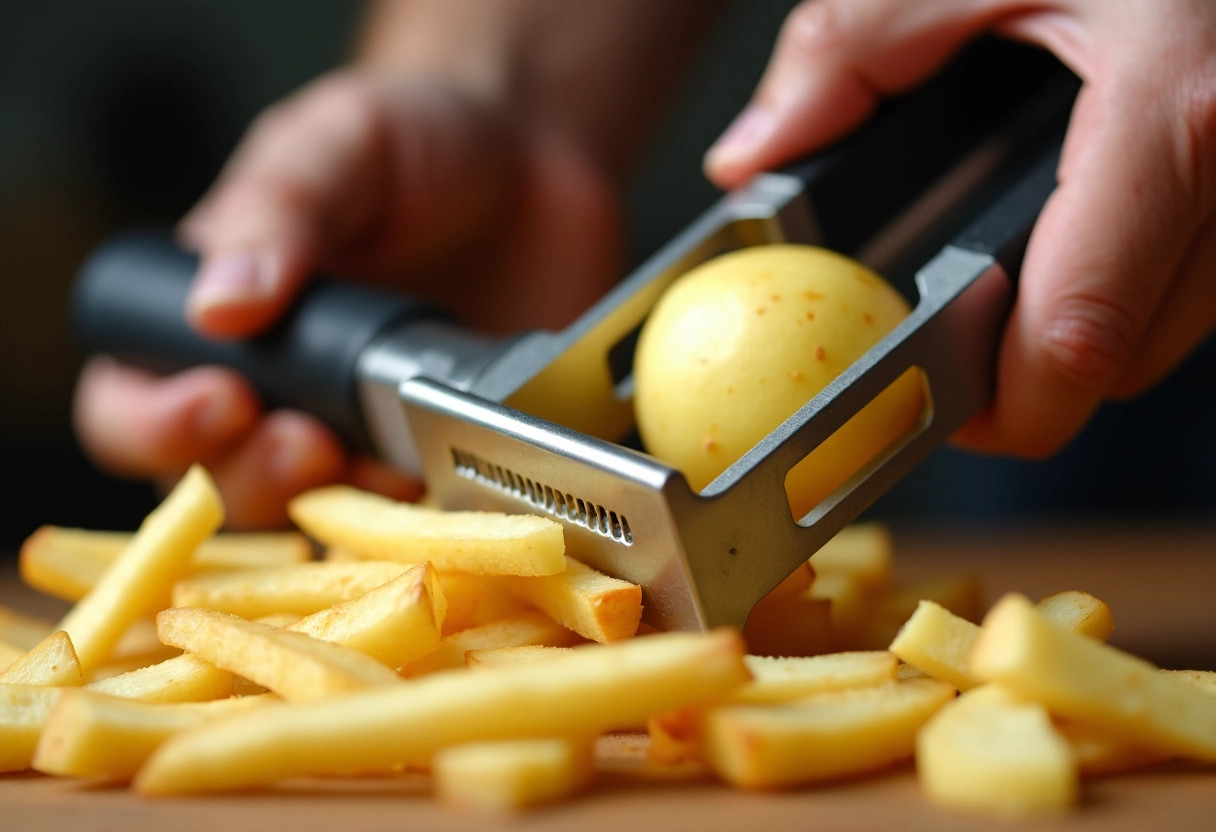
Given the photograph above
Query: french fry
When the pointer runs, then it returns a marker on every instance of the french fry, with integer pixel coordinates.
(525, 628)
(588, 602)
(991, 752)
(499, 656)
(303, 588)
(395, 623)
(588, 690)
(296, 666)
(787, 678)
(1099, 752)
(65, 563)
(88, 734)
(1076, 676)
(183, 678)
(23, 712)
(146, 568)
(1079, 612)
(51, 662)
(852, 731)
(485, 543)
(474, 600)
(508, 776)
(939, 643)
(886, 612)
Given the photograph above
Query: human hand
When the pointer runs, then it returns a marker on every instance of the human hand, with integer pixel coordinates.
(1119, 280)
(386, 177)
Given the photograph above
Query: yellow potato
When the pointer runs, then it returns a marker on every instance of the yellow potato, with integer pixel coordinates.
(505, 776)
(737, 345)
(990, 752)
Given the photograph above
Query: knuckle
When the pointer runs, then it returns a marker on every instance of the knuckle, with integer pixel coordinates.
(347, 105)
(1198, 116)
(812, 28)
(1088, 340)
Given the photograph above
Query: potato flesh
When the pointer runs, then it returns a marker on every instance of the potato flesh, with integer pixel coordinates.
(990, 752)
(1076, 676)
(737, 345)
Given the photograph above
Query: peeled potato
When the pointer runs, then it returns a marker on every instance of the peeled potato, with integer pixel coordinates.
(738, 344)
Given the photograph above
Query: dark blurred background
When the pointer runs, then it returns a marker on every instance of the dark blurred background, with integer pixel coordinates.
(120, 114)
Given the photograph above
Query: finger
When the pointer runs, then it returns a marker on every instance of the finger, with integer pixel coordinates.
(1186, 316)
(286, 454)
(135, 424)
(833, 61)
(351, 164)
(1096, 269)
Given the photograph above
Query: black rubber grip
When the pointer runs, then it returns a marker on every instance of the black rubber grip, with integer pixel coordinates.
(1004, 229)
(875, 173)
(129, 300)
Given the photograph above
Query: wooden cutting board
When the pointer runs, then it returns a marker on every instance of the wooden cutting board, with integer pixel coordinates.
(1160, 582)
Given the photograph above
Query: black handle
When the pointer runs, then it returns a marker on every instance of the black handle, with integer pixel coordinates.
(1004, 229)
(993, 89)
(129, 300)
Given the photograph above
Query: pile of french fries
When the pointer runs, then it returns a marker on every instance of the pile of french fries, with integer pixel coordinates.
(471, 647)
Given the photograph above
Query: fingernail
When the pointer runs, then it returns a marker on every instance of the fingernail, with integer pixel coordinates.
(747, 132)
(228, 279)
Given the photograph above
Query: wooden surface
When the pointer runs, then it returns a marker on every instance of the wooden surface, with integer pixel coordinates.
(1160, 582)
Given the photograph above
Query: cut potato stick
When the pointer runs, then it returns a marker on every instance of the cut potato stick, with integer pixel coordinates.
(395, 623)
(23, 711)
(500, 656)
(588, 690)
(485, 543)
(474, 600)
(51, 662)
(939, 643)
(296, 666)
(157, 554)
(65, 563)
(886, 612)
(786, 678)
(1076, 676)
(588, 602)
(991, 752)
(184, 678)
(88, 734)
(303, 588)
(525, 628)
(1098, 752)
(1079, 612)
(852, 731)
(504, 777)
